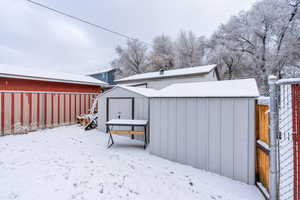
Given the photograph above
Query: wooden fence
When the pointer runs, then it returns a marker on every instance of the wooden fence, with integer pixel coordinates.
(21, 112)
(262, 150)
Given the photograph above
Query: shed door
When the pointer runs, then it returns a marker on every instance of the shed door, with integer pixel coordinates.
(120, 108)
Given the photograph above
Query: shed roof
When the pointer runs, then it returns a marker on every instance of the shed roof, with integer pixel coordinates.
(229, 88)
(147, 92)
(170, 73)
(21, 73)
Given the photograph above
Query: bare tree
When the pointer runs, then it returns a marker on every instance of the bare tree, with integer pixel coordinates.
(162, 55)
(132, 59)
(189, 51)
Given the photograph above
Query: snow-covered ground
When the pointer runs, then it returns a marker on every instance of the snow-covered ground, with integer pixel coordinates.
(68, 163)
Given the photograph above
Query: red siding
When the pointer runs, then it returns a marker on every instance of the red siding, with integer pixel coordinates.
(45, 86)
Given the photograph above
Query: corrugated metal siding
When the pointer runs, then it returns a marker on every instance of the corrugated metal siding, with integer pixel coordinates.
(25, 111)
(215, 134)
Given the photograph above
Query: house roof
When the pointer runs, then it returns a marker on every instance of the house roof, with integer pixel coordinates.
(170, 73)
(229, 88)
(101, 71)
(21, 73)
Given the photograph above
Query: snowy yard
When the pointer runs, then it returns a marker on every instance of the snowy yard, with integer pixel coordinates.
(68, 163)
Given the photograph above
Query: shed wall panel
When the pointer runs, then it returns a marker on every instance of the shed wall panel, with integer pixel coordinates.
(172, 131)
(215, 134)
(181, 130)
(191, 131)
(227, 138)
(203, 136)
(214, 141)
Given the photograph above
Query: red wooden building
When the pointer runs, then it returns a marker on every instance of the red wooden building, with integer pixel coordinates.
(31, 100)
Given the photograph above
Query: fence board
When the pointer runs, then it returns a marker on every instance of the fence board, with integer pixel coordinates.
(21, 112)
(262, 135)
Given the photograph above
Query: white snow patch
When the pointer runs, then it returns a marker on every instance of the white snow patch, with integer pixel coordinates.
(69, 163)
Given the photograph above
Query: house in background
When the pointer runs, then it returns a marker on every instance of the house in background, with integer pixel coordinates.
(107, 75)
(164, 78)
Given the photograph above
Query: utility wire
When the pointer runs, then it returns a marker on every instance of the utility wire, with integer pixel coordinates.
(84, 21)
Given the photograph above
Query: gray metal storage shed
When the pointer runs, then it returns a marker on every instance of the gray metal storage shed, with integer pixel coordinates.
(125, 103)
(208, 125)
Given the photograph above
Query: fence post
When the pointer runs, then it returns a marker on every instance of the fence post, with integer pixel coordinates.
(273, 190)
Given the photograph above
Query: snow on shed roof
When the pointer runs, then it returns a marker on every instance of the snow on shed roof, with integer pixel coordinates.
(170, 73)
(229, 88)
(147, 92)
(22, 73)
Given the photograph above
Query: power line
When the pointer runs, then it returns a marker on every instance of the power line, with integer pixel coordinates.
(84, 21)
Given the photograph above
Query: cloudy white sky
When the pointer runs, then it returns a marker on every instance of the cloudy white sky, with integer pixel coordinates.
(33, 37)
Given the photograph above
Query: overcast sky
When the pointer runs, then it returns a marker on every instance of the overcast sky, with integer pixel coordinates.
(33, 37)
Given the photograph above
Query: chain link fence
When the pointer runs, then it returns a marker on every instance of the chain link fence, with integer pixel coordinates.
(285, 128)
(285, 143)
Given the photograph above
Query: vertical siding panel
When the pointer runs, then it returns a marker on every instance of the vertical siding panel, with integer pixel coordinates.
(30, 113)
(12, 111)
(25, 112)
(65, 108)
(17, 122)
(34, 111)
(38, 110)
(59, 108)
(70, 108)
(214, 136)
(203, 133)
(7, 113)
(45, 109)
(241, 140)
(154, 126)
(75, 110)
(172, 133)
(84, 103)
(164, 128)
(157, 127)
(181, 128)
(252, 141)
(2, 113)
(191, 133)
(49, 110)
(22, 110)
(227, 135)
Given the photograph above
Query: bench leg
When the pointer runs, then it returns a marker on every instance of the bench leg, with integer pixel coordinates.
(145, 132)
(110, 139)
